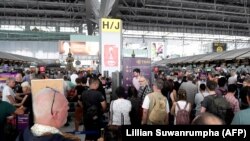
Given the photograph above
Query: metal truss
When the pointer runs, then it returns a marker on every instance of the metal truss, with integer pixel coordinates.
(42, 12)
(196, 16)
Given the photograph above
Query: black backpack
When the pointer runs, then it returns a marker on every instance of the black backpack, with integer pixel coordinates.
(91, 113)
(221, 107)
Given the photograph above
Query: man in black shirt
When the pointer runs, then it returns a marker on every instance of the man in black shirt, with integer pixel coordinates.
(93, 102)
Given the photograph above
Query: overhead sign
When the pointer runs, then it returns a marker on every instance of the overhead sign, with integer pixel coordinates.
(219, 47)
(111, 25)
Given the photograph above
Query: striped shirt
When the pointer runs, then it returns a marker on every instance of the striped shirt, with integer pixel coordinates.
(233, 102)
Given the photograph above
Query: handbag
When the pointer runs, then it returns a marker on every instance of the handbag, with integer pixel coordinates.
(140, 108)
(114, 127)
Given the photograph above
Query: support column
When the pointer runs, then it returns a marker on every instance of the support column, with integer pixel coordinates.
(27, 28)
(57, 28)
(80, 29)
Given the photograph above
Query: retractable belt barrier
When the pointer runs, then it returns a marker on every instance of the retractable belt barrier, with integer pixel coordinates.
(90, 132)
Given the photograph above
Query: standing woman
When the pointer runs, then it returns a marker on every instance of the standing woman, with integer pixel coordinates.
(120, 109)
(181, 103)
(135, 115)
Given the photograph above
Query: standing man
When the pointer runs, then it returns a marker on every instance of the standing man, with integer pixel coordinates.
(19, 80)
(149, 103)
(8, 93)
(73, 77)
(50, 109)
(94, 105)
(136, 77)
(190, 88)
(242, 117)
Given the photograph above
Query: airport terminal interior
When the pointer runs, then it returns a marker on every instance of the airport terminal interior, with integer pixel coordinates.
(82, 69)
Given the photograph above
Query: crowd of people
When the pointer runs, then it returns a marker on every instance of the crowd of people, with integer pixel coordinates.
(197, 93)
(181, 97)
(48, 109)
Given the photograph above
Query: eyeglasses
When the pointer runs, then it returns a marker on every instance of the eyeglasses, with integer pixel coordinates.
(54, 95)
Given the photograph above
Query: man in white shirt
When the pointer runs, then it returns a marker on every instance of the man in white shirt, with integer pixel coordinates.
(73, 77)
(8, 93)
(233, 78)
(136, 77)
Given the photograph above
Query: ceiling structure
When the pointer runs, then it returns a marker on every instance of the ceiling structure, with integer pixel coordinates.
(229, 17)
(196, 16)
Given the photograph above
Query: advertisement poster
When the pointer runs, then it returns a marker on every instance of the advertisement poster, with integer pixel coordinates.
(78, 48)
(5, 76)
(22, 122)
(157, 49)
(110, 55)
(129, 63)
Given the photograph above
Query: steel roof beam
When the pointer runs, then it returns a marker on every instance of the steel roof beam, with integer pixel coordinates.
(36, 21)
(170, 19)
(30, 3)
(180, 28)
(180, 12)
(195, 3)
(39, 11)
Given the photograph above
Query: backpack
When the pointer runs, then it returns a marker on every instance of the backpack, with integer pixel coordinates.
(91, 113)
(221, 108)
(223, 92)
(182, 116)
(158, 113)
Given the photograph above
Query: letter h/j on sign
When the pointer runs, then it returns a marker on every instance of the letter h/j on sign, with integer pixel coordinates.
(111, 25)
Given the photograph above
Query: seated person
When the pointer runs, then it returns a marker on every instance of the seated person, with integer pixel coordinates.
(50, 109)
